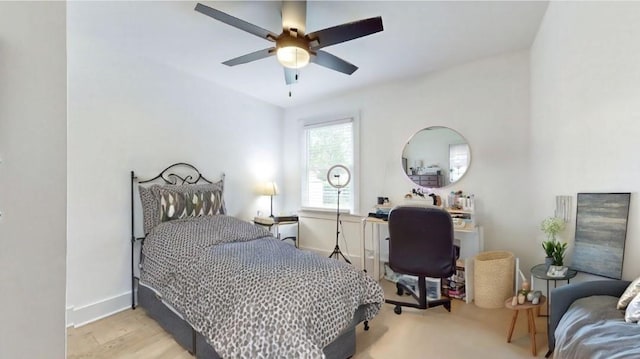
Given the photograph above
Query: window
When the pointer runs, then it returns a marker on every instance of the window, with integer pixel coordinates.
(458, 161)
(326, 144)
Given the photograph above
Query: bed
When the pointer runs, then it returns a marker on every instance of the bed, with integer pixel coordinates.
(226, 288)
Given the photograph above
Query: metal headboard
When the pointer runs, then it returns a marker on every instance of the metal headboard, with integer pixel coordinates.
(180, 173)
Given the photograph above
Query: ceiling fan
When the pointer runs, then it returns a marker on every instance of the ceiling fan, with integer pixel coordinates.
(294, 48)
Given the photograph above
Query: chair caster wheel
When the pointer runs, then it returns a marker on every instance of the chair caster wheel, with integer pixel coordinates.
(399, 290)
(397, 310)
(366, 325)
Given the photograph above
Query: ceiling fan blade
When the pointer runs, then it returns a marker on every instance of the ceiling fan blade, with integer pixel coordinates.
(260, 54)
(333, 62)
(345, 32)
(294, 15)
(235, 22)
(290, 75)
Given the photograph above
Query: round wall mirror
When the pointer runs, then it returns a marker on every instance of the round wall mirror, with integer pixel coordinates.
(436, 157)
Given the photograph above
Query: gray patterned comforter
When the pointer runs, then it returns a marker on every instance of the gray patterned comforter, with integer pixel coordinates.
(251, 295)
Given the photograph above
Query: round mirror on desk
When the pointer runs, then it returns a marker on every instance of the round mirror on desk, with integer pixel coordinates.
(436, 157)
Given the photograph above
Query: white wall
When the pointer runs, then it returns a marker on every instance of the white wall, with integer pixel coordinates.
(585, 110)
(33, 195)
(486, 101)
(128, 112)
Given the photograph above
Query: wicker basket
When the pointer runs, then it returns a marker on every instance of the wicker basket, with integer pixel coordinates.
(493, 278)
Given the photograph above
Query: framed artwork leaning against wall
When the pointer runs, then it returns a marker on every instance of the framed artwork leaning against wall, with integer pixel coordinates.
(601, 232)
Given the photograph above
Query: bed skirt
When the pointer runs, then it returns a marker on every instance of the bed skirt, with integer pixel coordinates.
(344, 346)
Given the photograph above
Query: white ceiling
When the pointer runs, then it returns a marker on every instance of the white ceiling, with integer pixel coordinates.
(418, 37)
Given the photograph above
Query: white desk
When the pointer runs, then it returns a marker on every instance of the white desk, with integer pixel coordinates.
(375, 239)
(470, 238)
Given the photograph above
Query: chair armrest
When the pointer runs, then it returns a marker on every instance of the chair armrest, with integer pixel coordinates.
(563, 297)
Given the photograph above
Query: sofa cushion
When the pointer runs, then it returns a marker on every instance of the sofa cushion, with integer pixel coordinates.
(632, 314)
(631, 292)
(593, 328)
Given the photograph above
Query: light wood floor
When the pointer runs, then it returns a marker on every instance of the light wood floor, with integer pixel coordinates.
(466, 332)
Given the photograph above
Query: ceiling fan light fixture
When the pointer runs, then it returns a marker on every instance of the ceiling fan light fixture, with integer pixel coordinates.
(293, 57)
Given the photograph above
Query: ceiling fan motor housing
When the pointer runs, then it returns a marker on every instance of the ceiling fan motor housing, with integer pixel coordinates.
(293, 49)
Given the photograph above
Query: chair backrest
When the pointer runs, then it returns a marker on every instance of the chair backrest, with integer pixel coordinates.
(421, 241)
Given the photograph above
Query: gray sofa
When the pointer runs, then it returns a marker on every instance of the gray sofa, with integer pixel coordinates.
(592, 327)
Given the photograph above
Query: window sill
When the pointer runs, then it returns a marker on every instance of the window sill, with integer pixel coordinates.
(328, 214)
(323, 210)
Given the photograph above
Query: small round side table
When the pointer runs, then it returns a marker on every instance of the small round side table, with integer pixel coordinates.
(528, 307)
(540, 271)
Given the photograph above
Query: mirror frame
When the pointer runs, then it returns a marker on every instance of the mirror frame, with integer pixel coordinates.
(404, 160)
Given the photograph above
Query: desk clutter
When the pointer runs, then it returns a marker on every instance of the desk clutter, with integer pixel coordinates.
(381, 211)
(451, 287)
(410, 282)
(468, 235)
(461, 206)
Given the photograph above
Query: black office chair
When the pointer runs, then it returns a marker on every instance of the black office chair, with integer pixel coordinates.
(421, 244)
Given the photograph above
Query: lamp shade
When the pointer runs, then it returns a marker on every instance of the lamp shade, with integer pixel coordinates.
(269, 189)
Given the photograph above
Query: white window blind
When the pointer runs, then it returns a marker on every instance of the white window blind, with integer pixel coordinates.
(458, 161)
(325, 145)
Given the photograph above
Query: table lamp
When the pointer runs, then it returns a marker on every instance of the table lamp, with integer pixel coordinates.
(269, 189)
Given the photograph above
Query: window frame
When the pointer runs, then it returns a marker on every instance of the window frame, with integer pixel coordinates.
(324, 121)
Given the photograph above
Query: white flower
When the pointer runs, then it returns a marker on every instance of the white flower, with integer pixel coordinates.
(552, 226)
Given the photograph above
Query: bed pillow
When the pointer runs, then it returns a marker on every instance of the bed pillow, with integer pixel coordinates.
(150, 209)
(631, 292)
(151, 199)
(632, 314)
(176, 205)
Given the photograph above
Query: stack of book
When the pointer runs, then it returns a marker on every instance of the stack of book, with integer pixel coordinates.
(269, 221)
(454, 286)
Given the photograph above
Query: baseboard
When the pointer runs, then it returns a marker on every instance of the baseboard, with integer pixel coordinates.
(77, 317)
